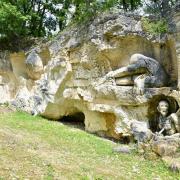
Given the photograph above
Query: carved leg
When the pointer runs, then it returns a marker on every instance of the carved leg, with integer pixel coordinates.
(175, 121)
(142, 81)
(139, 84)
(128, 70)
(118, 73)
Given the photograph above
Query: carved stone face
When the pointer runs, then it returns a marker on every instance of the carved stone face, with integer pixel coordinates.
(163, 108)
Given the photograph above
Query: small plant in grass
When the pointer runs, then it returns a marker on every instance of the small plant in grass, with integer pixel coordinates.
(155, 27)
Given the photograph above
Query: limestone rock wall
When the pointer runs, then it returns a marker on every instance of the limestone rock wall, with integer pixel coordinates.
(177, 39)
(65, 76)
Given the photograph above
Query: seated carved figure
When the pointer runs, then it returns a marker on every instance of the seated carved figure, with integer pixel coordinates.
(144, 71)
(167, 124)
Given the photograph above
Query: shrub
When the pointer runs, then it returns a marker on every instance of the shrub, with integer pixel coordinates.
(155, 27)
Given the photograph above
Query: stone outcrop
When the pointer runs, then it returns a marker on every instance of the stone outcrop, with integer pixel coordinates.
(34, 66)
(165, 147)
(177, 37)
(66, 76)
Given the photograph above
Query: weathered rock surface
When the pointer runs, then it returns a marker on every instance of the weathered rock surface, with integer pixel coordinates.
(66, 76)
(172, 162)
(168, 149)
(34, 66)
(141, 131)
(166, 146)
(123, 149)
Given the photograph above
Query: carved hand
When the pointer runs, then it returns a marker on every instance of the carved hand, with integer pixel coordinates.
(167, 126)
(110, 75)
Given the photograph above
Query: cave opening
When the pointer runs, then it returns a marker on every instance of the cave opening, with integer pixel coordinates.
(75, 120)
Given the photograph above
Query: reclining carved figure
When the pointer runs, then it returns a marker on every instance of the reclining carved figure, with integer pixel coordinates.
(144, 71)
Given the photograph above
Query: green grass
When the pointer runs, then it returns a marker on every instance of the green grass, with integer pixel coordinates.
(34, 148)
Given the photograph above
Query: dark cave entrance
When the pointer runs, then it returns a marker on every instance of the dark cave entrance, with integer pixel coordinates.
(75, 120)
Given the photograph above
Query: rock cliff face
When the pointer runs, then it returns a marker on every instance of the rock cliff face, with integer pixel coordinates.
(65, 77)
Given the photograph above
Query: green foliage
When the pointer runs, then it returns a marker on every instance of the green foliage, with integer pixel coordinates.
(160, 8)
(85, 10)
(129, 5)
(27, 18)
(39, 18)
(155, 27)
(11, 20)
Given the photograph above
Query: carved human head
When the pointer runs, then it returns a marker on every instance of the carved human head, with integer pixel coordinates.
(163, 108)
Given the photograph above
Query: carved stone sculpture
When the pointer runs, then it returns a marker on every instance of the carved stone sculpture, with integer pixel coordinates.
(67, 75)
(167, 124)
(144, 72)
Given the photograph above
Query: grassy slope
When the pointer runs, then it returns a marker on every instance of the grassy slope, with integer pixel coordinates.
(34, 148)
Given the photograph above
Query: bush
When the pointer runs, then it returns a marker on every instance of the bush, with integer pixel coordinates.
(155, 27)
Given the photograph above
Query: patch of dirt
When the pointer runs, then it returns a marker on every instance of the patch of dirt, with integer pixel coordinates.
(4, 110)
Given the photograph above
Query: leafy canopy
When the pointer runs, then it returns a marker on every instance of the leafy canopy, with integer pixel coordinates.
(39, 18)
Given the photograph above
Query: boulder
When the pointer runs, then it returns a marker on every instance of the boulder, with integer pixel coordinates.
(123, 149)
(34, 66)
(141, 131)
(166, 146)
(172, 162)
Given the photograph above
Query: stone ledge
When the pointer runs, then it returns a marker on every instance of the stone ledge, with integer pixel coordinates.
(126, 95)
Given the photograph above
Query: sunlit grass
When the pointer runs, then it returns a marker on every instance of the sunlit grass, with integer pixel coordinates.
(53, 150)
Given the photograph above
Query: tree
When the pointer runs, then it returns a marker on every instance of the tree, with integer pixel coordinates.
(39, 18)
(11, 21)
(27, 17)
(129, 5)
(85, 10)
(160, 8)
